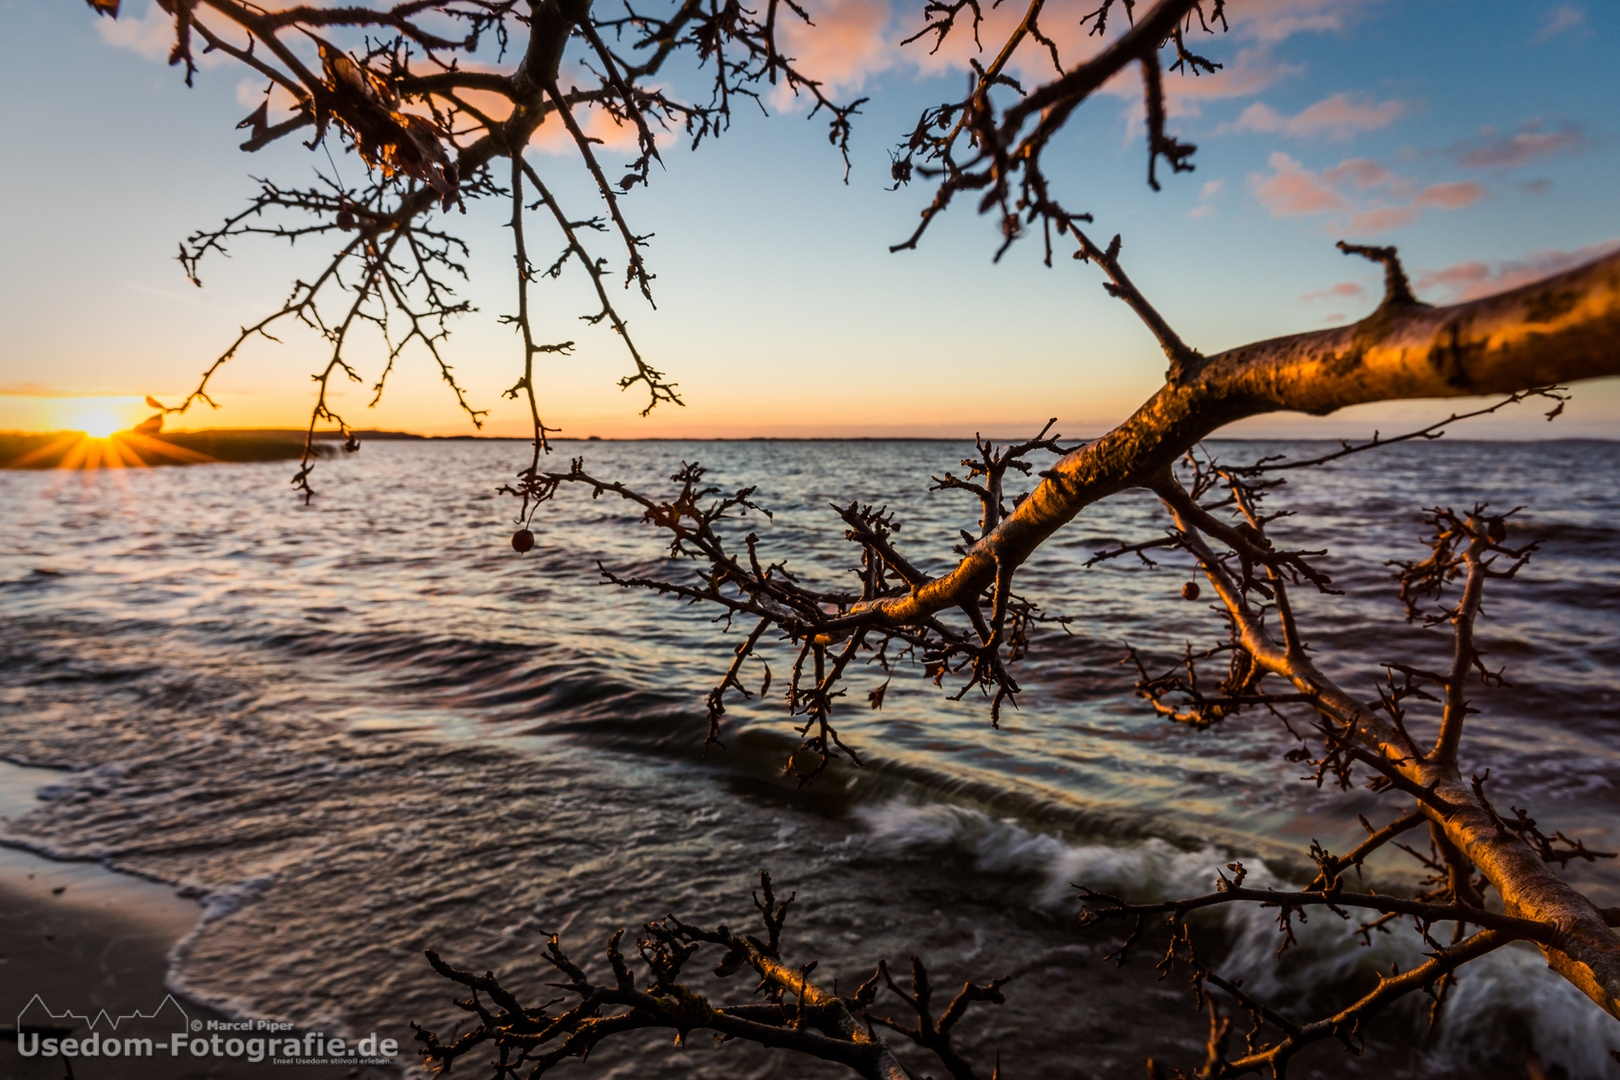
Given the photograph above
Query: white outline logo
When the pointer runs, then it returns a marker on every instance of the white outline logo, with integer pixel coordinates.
(91, 1022)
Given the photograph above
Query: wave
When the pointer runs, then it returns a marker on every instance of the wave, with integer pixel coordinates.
(1503, 1007)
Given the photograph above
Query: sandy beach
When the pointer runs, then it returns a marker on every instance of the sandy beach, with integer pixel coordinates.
(82, 939)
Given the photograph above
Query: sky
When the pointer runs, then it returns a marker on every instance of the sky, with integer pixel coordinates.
(1477, 135)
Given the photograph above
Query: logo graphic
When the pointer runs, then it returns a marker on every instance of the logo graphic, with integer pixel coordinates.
(37, 1015)
(168, 1029)
(43, 1031)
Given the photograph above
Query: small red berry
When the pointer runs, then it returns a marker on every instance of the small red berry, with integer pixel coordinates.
(522, 540)
(1190, 591)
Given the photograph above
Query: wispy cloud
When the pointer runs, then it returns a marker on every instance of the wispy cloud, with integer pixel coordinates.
(251, 92)
(850, 41)
(1471, 280)
(1529, 142)
(45, 390)
(552, 136)
(150, 33)
(1293, 190)
(1205, 207)
(1335, 118)
(1453, 195)
(1275, 20)
(1392, 201)
(177, 295)
(147, 29)
(1381, 219)
(1565, 17)
(1248, 73)
(1361, 173)
(1343, 290)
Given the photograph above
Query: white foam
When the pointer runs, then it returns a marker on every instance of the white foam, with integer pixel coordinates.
(1514, 984)
(1507, 992)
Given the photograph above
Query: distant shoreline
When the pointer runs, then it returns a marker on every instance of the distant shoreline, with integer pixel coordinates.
(408, 436)
(282, 444)
(147, 449)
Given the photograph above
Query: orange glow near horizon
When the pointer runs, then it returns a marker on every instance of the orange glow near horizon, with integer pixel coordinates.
(98, 415)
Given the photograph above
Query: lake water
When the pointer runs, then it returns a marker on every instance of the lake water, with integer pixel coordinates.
(364, 727)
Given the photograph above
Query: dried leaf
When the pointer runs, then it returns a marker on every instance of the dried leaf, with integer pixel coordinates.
(105, 7)
(733, 961)
(386, 138)
(258, 120)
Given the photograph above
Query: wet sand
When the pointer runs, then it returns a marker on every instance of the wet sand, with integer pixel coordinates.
(84, 938)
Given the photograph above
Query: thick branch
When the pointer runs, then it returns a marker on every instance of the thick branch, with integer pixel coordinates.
(1557, 330)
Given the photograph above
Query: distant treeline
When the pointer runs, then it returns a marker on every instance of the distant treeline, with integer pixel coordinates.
(74, 449)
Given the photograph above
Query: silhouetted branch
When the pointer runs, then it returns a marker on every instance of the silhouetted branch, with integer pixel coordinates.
(390, 84)
(795, 1012)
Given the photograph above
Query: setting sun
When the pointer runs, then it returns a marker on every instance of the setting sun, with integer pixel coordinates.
(96, 422)
(97, 415)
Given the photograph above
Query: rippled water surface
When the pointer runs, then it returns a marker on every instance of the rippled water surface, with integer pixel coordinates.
(366, 726)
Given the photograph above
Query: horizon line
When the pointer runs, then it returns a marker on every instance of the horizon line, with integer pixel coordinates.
(386, 435)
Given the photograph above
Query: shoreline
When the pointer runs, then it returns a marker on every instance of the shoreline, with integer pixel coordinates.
(94, 942)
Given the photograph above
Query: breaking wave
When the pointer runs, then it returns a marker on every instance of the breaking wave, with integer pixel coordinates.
(1502, 1006)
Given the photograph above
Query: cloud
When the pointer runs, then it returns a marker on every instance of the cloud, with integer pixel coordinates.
(1536, 188)
(34, 389)
(251, 93)
(1472, 280)
(1205, 208)
(1458, 278)
(44, 390)
(178, 296)
(1342, 289)
(1532, 140)
(1454, 195)
(1335, 118)
(1248, 73)
(1363, 173)
(1291, 190)
(1381, 219)
(1566, 17)
(552, 136)
(853, 40)
(1275, 20)
(151, 33)
(849, 42)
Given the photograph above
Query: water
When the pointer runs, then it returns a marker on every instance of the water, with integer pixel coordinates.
(365, 727)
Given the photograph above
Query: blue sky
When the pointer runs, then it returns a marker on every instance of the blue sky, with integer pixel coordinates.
(1478, 136)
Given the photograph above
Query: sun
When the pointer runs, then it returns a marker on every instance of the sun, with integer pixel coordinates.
(96, 422)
